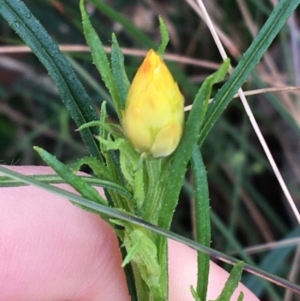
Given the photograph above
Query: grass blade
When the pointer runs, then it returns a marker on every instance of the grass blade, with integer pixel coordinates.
(273, 262)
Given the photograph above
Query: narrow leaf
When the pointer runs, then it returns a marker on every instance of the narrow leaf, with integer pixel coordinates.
(70, 177)
(183, 154)
(185, 149)
(128, 269)
(119, 72)
(99, 169)
(241, 296)
(72, 93)
(99, 57)
(232, 282)
(164, 37)
(202, 218)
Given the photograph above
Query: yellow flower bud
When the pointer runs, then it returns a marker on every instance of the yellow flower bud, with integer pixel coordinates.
(154, 113)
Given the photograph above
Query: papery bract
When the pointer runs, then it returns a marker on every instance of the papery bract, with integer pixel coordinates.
(154, 113)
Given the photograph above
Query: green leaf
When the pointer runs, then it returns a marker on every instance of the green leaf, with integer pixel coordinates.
(72, 93)
(202, 218)
(164, 37)
(109, 127)
(119, 72)
(183, 154)
(241, 296)
(99, 169)
(185, 148)
(249, 60)
(143, 251)
(194, 294)
(70, 177)
(128, 269)
(232, 282)
(111, 186)
(100, 58)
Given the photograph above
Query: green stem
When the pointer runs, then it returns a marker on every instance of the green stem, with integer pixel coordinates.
(155, 189)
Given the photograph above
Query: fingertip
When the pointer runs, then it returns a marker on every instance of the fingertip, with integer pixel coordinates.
(53, 250)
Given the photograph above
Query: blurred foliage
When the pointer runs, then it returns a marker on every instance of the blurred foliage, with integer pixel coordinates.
(245, 197)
